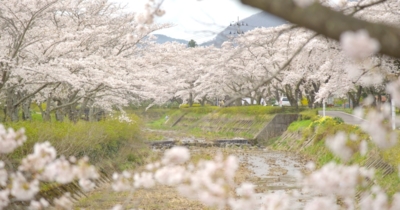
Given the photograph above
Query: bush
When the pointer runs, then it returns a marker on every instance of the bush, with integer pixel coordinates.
(338, 120)
(311, 114)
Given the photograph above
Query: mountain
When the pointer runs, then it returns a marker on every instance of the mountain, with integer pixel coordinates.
(161, 39)
(261, 19)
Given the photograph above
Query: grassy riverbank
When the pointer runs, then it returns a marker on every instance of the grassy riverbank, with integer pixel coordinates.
(308, 136)
(109, 144)
(212, 122)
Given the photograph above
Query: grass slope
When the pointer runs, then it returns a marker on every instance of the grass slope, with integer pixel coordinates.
(308, 136)
(212, 122)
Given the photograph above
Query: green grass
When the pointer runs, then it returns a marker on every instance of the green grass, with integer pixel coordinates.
(299, 125)
(390, 183)
(392, 155)
(215, 122)
(323, 128)
(107, 143)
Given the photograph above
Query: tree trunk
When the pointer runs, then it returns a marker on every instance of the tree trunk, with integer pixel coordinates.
(11, 110)
(203, 100)
(258, 99)
(26, 111)
(60, 113)
(46, 113)
(277, 98)
(238, 102)
(190, 100)
(71, 113)
(82, 109)
(92, 112)
(356, 97)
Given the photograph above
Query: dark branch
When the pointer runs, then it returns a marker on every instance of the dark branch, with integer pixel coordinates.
(330, 23)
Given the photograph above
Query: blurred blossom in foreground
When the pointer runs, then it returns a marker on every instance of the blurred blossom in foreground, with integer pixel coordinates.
(358, 44)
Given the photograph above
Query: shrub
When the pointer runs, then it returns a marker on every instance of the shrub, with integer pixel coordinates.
(338, 120)
(311, 114)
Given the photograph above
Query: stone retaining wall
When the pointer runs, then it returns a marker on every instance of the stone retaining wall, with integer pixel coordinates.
(275, 127)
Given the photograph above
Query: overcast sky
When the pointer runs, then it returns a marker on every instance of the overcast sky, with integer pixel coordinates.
(194, 19)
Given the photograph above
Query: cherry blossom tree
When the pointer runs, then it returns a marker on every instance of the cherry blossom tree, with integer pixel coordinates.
(65, 53)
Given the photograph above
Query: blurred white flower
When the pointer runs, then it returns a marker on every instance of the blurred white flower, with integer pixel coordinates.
(170, 175)
(60, 171)
(337, 145)
(231, 165)
(377, 199)
(176, 155)
(321, 203)
(83, 169)
(310, 166)
(382, 136)
(43, 154)
(340, 180)
(118, 207)
(122, 182)
(363, 147)
(86, 184)
(3, 175)
(64, 202)
(4, 200)
(245, 189)
(39, 205)
(144, 179)
(278, 200)
(10, 140)
(396, 202)
(22, 189)
(358, 45)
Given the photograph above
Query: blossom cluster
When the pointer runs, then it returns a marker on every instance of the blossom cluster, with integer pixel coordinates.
(212, 183)
(42, 165)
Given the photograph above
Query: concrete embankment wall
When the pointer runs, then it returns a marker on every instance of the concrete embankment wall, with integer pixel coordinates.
(275, 127)
(237, 124)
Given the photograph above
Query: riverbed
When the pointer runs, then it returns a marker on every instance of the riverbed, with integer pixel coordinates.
(271, 171)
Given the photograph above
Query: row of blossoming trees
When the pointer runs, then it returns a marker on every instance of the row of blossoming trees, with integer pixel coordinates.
(71, 56)
(77, 53)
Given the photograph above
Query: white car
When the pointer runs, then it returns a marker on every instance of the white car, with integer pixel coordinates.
(284, 101)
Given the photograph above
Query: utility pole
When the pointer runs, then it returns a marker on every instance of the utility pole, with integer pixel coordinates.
(237, 26)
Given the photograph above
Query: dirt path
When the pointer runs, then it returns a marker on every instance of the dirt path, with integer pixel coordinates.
(271, 171)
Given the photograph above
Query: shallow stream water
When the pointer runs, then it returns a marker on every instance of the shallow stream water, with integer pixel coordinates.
(276, 172)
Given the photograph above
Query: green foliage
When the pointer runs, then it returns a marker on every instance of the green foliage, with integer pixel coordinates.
(392, 155)
(338, 120)
(183, 106)
(325, 127)
(311, 114)
(192, 43)
(390, 182)
(107, 143)
(339, 101)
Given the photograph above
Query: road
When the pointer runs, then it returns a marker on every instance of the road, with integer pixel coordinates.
(347, 118)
